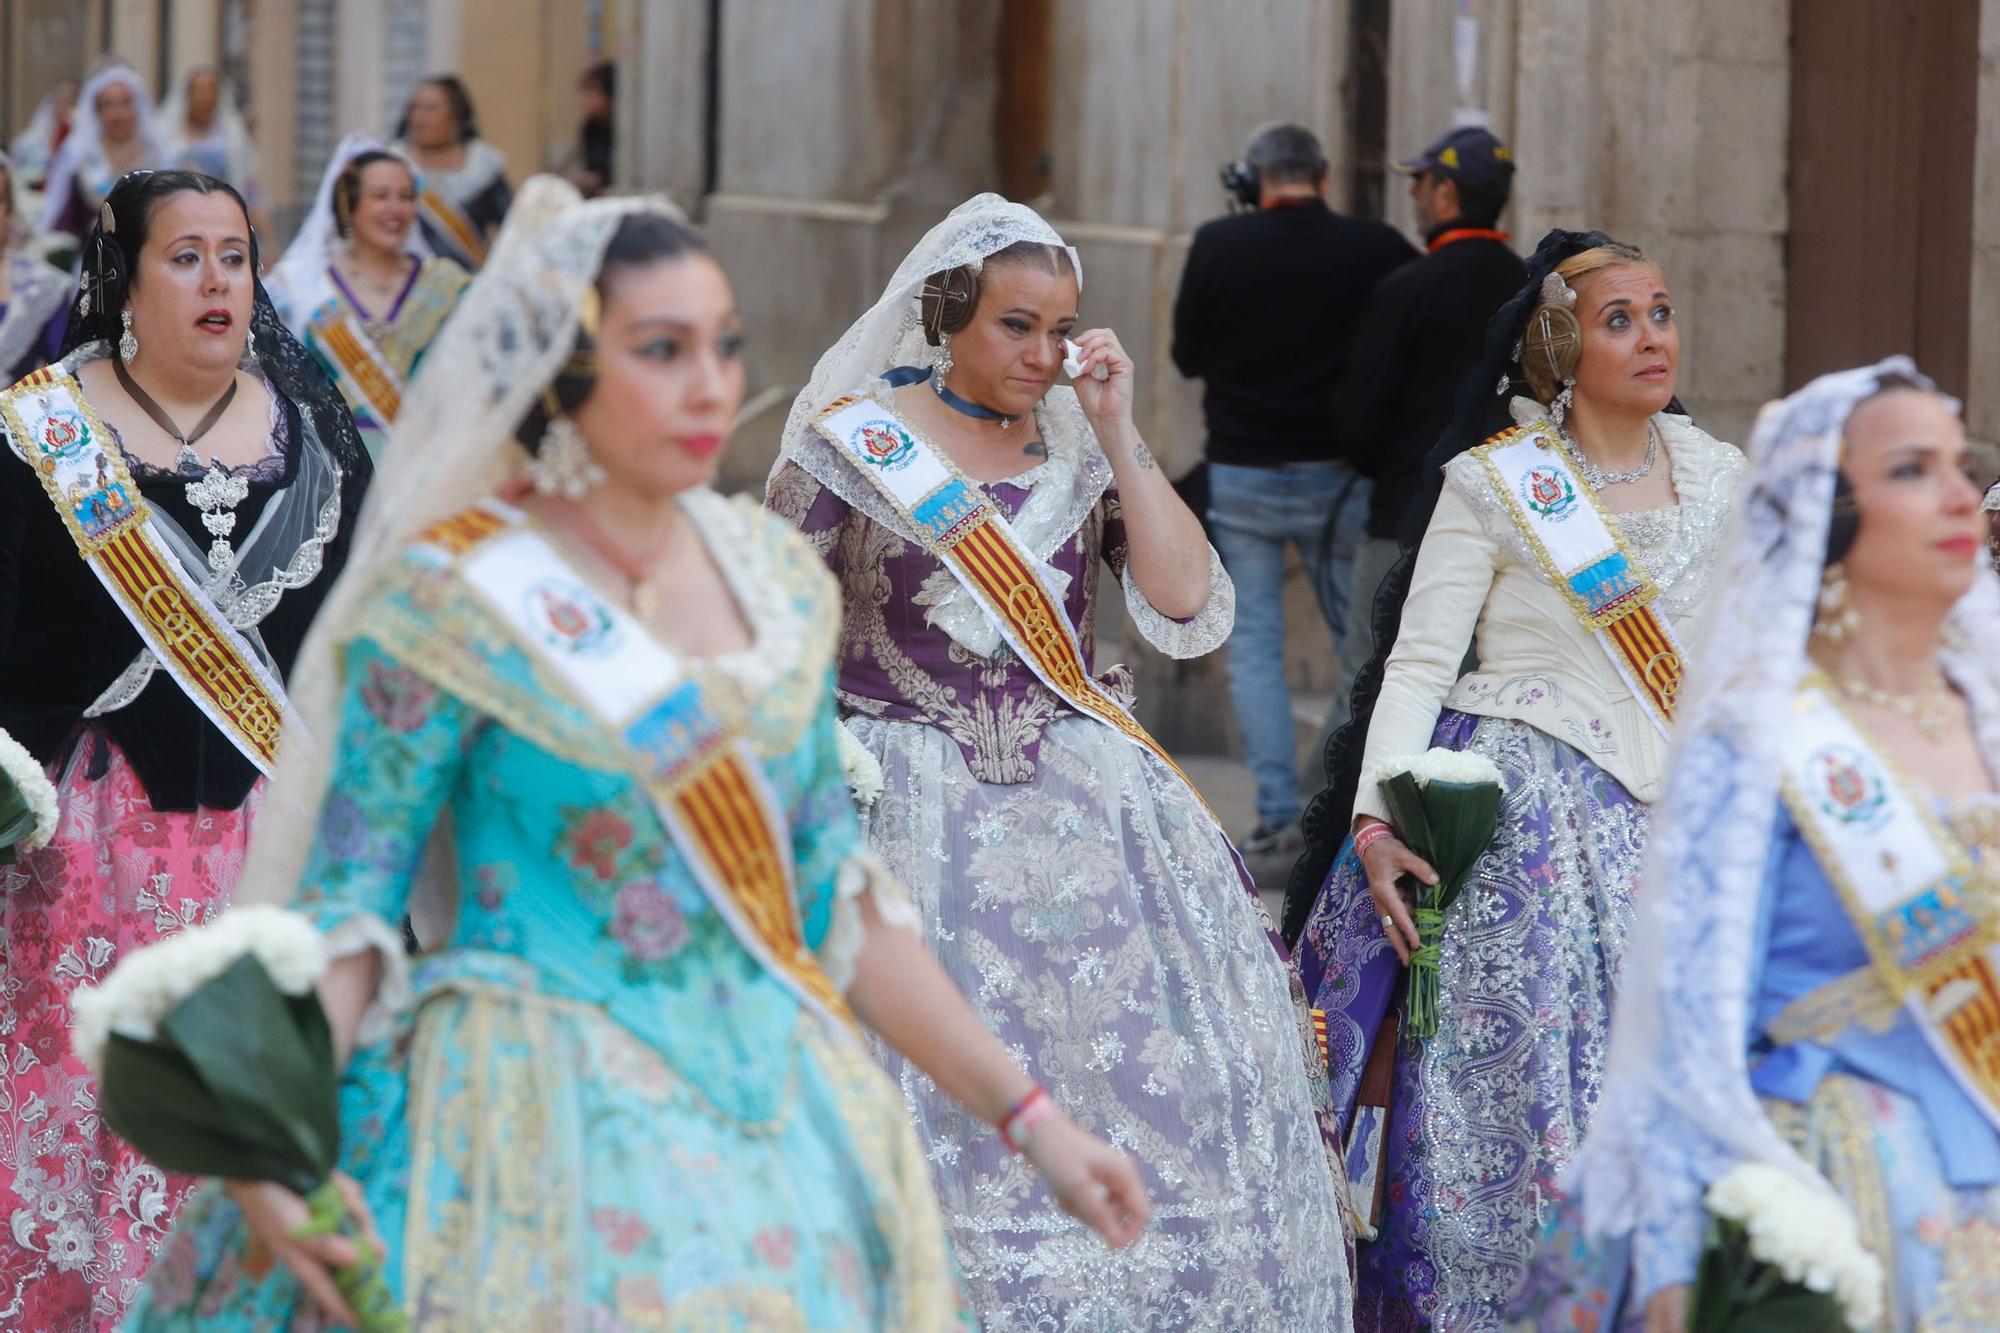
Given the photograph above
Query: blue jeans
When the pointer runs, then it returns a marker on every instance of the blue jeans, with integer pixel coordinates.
(1322, 508)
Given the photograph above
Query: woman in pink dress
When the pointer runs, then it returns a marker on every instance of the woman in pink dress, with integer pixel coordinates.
(175, 497)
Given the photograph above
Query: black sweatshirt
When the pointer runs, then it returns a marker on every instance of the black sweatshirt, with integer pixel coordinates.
(1266, 313)
(1424, 328)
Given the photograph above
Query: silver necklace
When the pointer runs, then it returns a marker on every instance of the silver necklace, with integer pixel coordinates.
(1597, 476)
(217, 496)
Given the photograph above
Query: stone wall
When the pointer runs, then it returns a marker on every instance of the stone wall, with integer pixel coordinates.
(1665, 125)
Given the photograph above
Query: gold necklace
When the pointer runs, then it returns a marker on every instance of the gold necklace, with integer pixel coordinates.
(1929, 708)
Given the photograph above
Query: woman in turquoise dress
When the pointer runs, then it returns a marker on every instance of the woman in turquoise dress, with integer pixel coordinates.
(360, 287)
(1815, 990)
(576, 718)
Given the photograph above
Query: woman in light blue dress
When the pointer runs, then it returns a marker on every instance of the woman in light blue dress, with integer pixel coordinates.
(1816, 990)
(579, 725)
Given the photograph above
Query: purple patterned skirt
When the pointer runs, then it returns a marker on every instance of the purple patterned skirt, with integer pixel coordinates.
(1483, 1116)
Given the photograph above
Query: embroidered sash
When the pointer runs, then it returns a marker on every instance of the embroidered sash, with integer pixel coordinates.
(452, 220)
(366, 378)
(955, 521)
(707, 786)
(57, 432)
(1584, 554)
(1924, 911)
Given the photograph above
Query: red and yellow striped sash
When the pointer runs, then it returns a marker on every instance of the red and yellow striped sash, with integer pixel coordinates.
(449, 218)
(60, 435)
(361, 365)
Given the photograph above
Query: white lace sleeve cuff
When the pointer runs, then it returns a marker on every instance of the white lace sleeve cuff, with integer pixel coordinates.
(861, 874)
(358, 934)
(1191, 638)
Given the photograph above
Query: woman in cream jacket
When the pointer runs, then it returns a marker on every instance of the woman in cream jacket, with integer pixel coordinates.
(1570, 554)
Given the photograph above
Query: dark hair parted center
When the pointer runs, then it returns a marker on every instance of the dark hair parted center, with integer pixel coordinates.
(950, 298)
(641, 241)
(111, 256)
(347, 186)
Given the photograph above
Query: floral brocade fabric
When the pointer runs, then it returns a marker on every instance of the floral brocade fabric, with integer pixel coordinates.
(1091, 910)
(84, 1212)
(598, 1111)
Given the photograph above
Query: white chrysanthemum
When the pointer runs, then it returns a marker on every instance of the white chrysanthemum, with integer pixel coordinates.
(1442, 765)
(151, 981)
(863, 770)
(36, 789)
(1807, 1234)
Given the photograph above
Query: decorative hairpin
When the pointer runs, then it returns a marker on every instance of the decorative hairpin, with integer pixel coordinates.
(1555, 291)
(107, 219)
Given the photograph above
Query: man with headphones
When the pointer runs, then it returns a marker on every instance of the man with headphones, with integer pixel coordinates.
(1265, 317)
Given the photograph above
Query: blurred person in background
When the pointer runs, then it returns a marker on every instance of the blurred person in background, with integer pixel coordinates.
(35, 147)
(34, 297)
(590, 163)
(1266, 314)
(114, 131)
(201, 128)
(359, 286)
(1421, 332)
(462, 190)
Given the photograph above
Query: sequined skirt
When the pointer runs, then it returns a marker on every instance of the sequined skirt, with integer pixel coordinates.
(1095, 919)
(1484, 1115)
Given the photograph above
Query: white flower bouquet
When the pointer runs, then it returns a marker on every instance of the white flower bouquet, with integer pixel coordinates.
(1782, 1257)
(1445, 806)
(213, 1058)
(28, 807)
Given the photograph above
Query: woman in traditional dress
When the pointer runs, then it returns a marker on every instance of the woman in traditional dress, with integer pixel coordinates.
(629, 1090)
(463, 190)
(360, 287)
(1812, 970)
(177, 498)
(1069, 877)
(34, 297)
(202, 129)
(1596, 464)
(113, 133)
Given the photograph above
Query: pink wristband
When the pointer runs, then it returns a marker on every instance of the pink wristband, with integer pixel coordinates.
(1371, 835)
(1018, 1125)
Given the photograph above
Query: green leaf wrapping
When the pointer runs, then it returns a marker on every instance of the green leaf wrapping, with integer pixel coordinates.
(1735, 1292)
(239, 1082)
(17, 819)
(1450, 825)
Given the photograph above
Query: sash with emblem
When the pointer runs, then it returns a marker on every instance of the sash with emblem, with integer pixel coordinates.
(955, 521)
(705, 783)
(1922, 908)
(366, 379)
(1580, 548)
(56, 432)
(450, 219)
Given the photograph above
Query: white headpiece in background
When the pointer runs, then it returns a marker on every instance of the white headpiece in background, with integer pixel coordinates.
(298, 283)
(1677, 1107)
(453, 443)
(890, 334)
(84, 134)
(181, 144)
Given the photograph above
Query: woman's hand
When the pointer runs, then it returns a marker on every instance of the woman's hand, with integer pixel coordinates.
(1667, 1312)
(1091, 1180)
(1108, 401)
(1386, 861)
(274, 1214)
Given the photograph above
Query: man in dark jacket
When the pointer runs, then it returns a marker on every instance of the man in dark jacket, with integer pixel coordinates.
(1265, 317)
(1424, 327)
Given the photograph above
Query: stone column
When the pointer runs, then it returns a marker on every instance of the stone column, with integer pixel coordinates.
(1982, 407)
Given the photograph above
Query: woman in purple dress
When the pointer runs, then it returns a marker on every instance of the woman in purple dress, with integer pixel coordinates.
(1069, 878)
(1456, 1139)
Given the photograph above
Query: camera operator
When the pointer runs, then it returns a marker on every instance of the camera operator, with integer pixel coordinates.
(1265, 317)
